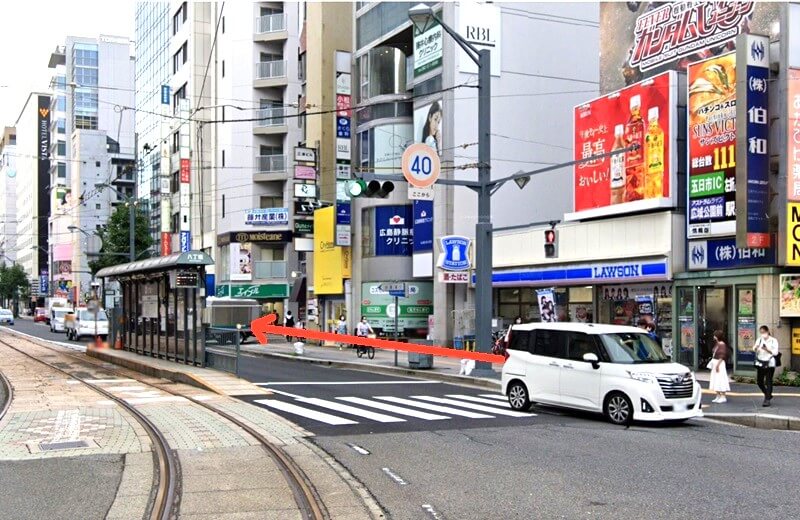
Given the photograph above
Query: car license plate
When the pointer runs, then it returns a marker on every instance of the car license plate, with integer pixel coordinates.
(680, 407)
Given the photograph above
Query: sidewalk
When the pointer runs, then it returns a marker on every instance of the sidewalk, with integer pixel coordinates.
(743, 406)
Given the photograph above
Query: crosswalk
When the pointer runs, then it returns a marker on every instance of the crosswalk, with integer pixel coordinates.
(350, 410)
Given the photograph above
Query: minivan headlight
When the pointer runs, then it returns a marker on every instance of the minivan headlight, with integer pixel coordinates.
(644, 377)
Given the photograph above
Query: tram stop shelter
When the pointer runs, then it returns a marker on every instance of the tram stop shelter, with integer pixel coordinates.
(159, 313)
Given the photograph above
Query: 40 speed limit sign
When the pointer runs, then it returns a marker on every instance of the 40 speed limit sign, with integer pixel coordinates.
(421, 165)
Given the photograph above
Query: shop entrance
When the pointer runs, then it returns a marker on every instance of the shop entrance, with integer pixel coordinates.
(712, 314)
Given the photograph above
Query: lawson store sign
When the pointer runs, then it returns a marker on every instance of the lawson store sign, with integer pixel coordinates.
(600, 273)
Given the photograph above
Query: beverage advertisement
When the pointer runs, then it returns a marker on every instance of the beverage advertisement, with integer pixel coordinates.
(712, 147)
(640, 118)
(641, 39)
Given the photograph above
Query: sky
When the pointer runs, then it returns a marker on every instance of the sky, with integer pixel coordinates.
(30, 31)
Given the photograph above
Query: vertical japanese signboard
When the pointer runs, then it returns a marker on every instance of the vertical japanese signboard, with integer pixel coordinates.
(712, 147)
(793, 136)
(342, 123)
(640, 119)
(752, 169)
(185, 179)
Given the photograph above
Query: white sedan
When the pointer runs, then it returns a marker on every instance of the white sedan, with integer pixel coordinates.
(6, 316)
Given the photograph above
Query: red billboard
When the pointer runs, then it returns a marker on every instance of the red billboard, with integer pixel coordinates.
(638, 179)
(185, 168)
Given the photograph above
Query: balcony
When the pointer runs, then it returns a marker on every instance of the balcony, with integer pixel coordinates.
(265, 270)
(270, 28)
(270, 168)
(270, 74)
(270, 121)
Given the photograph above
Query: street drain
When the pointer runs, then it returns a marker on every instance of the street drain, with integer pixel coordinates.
(64, 445)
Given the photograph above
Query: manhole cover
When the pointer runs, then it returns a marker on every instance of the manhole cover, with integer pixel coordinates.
(65, 445)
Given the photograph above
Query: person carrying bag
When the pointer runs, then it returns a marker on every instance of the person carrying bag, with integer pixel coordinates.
(767, 358)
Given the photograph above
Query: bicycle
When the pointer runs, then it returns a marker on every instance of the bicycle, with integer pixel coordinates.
(369, 351)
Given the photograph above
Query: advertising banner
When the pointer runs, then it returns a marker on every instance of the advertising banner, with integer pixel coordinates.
(641, 39)
(643, 115)
(267, 217)
(186, 241)
(307, 173)
(712, 147)
(343, 213)
(394, 230)
(427, 49)
(378, 306)
(790, 296)
(547, 305)
(423, 225)
(428, 125)
(390, 141)
(480, 25)
(241, 267)
(327, 256)
(722, 253)
(793, 136)
(752, 167)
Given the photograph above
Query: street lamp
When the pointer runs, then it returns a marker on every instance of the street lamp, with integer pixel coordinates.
(131, 218)
(421, 16)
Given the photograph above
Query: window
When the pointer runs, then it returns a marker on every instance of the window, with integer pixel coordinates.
(520, 339)
(83, 122)
(176, 219)
(223, 157)
(61, 104)
(97, 164)
(223, 205)
(180, 57)
(98, 206)
(62, 170)
(269, 11)
(271, 202)
(223, 25)
(633, 348)
(178, 95)
(61, 148)
(580, 344)
(176, 142)
(550, 343)
(179, 18)
(61, 126)
(223, 70)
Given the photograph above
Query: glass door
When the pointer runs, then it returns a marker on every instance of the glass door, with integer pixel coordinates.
(712, 314)
(686, 346)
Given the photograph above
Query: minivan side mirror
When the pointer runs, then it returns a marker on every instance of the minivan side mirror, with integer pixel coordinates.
(592, 358)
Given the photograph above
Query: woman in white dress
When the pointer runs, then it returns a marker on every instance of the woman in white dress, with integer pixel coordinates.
(719, 373)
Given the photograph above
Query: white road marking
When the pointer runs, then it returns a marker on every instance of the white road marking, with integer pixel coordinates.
(495, 396)
(434, 408)
(471, 406)
(474, 399)
(287, 394)
(394, 476)
(359, 449)
(304, 412)
(323, 383)
(352, 410)
(394, 409)
(432, 512)
(67, 426)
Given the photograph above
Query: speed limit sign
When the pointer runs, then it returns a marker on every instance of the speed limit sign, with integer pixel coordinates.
(421, 165)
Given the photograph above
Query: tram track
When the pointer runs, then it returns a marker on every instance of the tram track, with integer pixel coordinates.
(305, 495)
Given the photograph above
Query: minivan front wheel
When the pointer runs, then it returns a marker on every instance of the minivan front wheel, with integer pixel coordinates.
(518, 396)
(618, 408)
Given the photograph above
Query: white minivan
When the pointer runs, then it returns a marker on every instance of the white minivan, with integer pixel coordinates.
(618, 371)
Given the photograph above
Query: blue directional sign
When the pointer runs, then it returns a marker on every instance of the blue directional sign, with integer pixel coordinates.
(343, 127)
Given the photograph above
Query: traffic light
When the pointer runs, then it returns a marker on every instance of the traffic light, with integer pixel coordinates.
(358, 188)
(550, 247)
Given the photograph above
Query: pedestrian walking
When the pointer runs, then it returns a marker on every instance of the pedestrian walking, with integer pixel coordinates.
(288, 321)
(341, 327)
(719, 373)
(766, 349)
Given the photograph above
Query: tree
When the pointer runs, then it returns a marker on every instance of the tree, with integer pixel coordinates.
(12, 280)
(115, 239)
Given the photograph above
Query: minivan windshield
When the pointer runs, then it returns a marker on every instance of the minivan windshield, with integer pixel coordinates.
(631, 347)
(60, 313)
(89, 316)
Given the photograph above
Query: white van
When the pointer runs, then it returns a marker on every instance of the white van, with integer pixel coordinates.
(611, 369)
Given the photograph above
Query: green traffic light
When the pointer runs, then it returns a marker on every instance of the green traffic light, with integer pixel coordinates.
(356, 188)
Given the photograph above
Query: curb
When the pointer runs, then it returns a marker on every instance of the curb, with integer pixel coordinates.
(171, 375)
(758, 420)
(380, 369)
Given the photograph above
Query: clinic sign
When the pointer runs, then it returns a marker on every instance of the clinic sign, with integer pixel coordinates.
(752, 164)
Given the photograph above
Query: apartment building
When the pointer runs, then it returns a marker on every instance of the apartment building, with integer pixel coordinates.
(93, 92)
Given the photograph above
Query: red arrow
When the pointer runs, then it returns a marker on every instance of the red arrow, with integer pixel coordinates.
(263, 326)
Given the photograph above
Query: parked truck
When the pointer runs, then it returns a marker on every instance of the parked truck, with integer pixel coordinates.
(86, 323)
(50, 303)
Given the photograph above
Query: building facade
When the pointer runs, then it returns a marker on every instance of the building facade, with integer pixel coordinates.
(419, 87)
(92, 82)
(8, 195)
(33, 200)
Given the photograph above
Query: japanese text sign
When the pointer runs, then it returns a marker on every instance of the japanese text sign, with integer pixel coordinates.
(640, 116)
(793, 137)
(394, 231)
(752, 169)
(712, 147)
